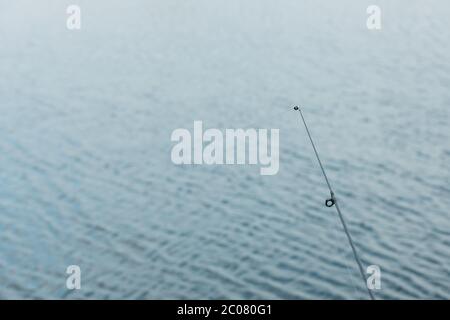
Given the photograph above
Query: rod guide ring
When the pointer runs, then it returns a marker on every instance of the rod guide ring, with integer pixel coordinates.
(330, 202)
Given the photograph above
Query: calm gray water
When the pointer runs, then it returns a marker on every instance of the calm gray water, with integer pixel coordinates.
(85, 170)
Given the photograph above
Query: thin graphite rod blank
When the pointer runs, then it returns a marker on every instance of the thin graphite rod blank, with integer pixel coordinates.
(341, 217)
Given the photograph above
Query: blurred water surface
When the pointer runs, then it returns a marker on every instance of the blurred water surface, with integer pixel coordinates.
(85, 170)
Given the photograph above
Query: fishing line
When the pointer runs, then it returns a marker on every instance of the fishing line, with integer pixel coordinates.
(333, 202)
